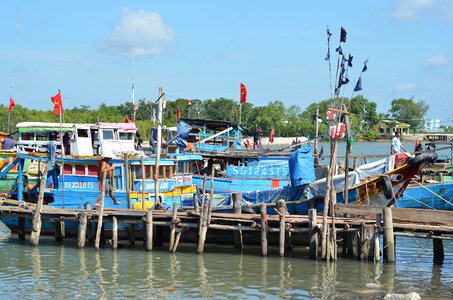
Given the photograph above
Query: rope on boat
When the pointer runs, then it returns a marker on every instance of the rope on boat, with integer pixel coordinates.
(432, 192)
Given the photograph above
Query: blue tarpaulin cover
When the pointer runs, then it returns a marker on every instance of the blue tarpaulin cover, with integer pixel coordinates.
(301, 167)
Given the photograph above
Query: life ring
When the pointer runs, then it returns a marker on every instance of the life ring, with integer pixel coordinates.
(387, 187)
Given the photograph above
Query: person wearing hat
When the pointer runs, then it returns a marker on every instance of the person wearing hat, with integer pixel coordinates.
(104, 166)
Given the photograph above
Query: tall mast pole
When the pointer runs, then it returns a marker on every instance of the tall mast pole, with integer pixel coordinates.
(133, 87)
(158, 146)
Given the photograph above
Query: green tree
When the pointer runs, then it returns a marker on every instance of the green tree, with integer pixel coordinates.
(408, 111)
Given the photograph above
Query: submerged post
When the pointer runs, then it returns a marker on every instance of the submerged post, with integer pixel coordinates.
(114, 233)
(312, 218)
(263, 230)
(377, 240)
(82, 230)
(36, 223)
(149, 230)
(237, 207)
(173, 227)
(389, 238)
(438, 249)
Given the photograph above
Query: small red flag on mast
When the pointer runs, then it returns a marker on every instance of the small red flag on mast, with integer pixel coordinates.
(243, 98)
(58, 104)
(11, 104)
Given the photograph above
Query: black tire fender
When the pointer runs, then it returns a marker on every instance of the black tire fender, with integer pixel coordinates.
(387, 187)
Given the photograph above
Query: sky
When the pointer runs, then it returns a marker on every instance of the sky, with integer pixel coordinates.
(205, 49)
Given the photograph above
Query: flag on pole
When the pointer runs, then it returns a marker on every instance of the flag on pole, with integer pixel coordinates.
(243, 94)
(343, 35)
(58, 104)
(127, 120)
(358, 86)
(178, 113)
(11, 104)
(271, 136)
(189, 102)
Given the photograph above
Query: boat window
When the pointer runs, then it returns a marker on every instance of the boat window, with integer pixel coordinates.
(41, 137)
(107, 134)
(149, 174)
(82, 133)
(68, 169)
(92, 170)
(79, 170)
(138, 172)
(126, 136)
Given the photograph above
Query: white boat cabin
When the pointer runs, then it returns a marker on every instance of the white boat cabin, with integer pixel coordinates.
(78, 139)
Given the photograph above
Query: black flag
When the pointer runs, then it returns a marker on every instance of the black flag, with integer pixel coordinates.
(358, 86)
(343, 35)
(364, 66)
(350, 60)
(339, 50)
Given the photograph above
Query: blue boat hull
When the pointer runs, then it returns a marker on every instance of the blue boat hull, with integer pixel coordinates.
(434, 196)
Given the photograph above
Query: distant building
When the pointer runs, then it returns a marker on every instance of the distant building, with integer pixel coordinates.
(431, 125)
(388, 127)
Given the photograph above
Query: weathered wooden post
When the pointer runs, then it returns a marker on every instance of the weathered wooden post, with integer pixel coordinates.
(128, 183)
(90, 233)
(21, 229)
(366, 251)
(149, 230)
(377, 240)
(114, 233)
(82, 230)
(204, 228)
(314, 232)
(100, 214)
(438, 249)
(389, 238)
(237, 207)
(59, 231)
(36, 223)
(282, 212)
(173, 226)
(264, 230)
(196, 205)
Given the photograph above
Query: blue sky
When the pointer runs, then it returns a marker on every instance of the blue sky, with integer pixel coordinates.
(205, 49)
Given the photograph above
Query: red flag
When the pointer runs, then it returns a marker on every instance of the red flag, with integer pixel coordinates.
(243, 94)
(271, 136)
(127, 120)
(178, 112)
(58, 104)
(189, 102)
(11, 104)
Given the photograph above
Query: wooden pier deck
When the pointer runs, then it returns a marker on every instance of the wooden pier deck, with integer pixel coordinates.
(358, 227)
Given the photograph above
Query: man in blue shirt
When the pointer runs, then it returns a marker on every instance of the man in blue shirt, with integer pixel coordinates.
(396, 144)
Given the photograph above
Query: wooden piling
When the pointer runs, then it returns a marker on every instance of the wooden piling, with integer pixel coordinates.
(314, 232)
(59, 231)
(89, 233)
(377, 240)
(196, 205)
(131, 233)
(237, 207)
(21, 229)
(366, 249)
(82, 230)
(100, 214)
(149, 230)
(282, 212)
(173, 227)
(389, 238)
(36, 223)
(156, 198)
(263, 230)
(114, 233)
(438, 250)
(204, 228)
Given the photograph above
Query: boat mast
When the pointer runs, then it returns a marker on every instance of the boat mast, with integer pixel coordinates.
(158, 145)
(134, 106)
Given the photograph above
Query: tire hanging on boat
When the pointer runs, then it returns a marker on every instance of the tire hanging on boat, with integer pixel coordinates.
(387, 187)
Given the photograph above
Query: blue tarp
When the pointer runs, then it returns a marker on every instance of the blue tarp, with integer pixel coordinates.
(301, 167)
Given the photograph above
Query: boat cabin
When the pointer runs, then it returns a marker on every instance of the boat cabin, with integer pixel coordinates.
(78, 139)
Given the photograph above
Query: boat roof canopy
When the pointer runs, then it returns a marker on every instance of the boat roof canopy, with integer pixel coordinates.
(210, 124)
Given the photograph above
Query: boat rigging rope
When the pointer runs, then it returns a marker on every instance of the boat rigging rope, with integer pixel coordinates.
(422, 203)
(432, 192)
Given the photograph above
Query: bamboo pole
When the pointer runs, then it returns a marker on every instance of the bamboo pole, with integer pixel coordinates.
(100, 214)
(128, 183)
(143, 183)
(389, 237)
(114, 233)
(173, 227)
(36, 223)
(346, 167)
(377, 240)
(282, 219)
(204, 228)
(237, 208)
(82, 230)
(203, 195)
(211, 195)
(149, 230)
(264, 230)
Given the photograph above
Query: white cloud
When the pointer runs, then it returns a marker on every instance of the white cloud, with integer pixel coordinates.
(405, 87)
(436, 61)
(142, 31)
(413, 10)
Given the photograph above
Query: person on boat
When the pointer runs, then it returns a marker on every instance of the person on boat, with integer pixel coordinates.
(104, 166)
(396, 144)
(418, 145)
(8, 143)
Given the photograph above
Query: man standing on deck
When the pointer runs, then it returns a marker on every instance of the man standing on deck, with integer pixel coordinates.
(104, 165)
(396, 144)
(7, 143)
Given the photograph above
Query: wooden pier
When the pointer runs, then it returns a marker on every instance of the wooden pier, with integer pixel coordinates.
(359, 228)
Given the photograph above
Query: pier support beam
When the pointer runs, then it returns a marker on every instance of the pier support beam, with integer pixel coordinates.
(314, 233)
(237, 207)
(114, 233)
(149, 230)
(59, 231)
(203, 227)
(366, 242)
(36, 223)
(264, 230)
(173, 227)
(377, 240)
(389, 237)
(100, 214)
(281, 208)
(438, 250)
(82, 230)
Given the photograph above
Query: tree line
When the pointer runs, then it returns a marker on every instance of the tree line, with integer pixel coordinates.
(287, 121)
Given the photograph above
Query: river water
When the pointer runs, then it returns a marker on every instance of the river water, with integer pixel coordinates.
(62, 271)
